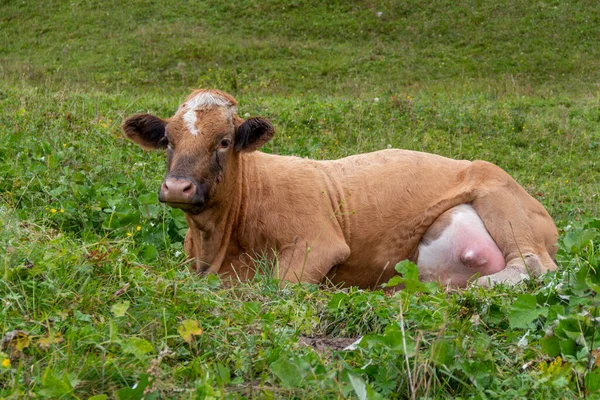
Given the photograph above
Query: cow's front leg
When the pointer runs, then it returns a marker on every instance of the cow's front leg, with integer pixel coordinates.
(306, 262)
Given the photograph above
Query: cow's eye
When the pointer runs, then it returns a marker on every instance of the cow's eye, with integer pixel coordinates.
(225, 143)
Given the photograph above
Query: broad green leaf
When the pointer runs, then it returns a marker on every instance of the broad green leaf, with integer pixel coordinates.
(408, 270)
(359, 386)
(149, 253)
(393, 282)
(593, 224)
(336, 301)
(570, 327)
(213, 281)
(149, 210)
(524, 311)
(363, 390)
(582, 353)
(189, 328)
(223, 374)
(391, 340)
(79, 316)
(443, 352)
(290, 372)
(374, 340)
(480, 371)
(372, 394)
(55, 386)
(113, 331)
(593, 285)
(575, 242)
(98, 397)
(568, 347)
(555, 310)
(79, 177)
(551, 345)
(592, 279)
(252, 308)
(120, 309)
(125, 219)
(410, 279)
(579, 286)
(137, 391)
(592, 380)
(148, 198)
(137, 346)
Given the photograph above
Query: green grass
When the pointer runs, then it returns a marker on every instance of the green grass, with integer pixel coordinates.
(94, 290)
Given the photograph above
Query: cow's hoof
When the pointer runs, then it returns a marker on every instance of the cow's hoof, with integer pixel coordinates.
(516, 271)
(533, 265)
(513, 278)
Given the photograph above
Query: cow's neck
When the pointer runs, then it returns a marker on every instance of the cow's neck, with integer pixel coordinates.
(217, 223)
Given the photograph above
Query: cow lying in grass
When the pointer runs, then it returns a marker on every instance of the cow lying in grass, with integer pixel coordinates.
(346, 221)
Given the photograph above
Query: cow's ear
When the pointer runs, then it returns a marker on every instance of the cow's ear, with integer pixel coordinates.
(146, 130)
(253, 133)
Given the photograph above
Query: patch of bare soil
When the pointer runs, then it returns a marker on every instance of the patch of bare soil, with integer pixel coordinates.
(325, 344)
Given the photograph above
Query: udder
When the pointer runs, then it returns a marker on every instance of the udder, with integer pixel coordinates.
(458, 248)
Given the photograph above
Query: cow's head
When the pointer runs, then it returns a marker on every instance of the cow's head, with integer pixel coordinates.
(203, 140)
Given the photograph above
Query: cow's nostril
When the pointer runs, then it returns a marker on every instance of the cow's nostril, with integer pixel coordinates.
(189, 188)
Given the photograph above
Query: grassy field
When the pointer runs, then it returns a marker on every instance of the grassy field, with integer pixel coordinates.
(96, 299)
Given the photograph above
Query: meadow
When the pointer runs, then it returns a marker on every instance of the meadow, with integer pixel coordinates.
(96, 297)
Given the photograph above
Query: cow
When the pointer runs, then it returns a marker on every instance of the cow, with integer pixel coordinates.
(347, 221)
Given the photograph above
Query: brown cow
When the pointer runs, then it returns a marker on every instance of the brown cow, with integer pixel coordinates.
(347, 221)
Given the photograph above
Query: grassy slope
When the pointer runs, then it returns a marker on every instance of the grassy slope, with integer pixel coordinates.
(339, 47)
(515, 83)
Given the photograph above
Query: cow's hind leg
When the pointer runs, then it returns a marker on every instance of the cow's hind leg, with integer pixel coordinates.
(519, 224)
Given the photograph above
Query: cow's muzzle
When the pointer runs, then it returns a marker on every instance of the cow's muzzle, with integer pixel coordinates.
(184, 193)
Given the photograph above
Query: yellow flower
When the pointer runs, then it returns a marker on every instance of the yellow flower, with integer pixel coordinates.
(139, 228)
(62, 210)
(128, 233)
(6, 362)
(64, 145)
(53, 211)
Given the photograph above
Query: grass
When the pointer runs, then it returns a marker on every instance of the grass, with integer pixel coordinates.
(94, 288)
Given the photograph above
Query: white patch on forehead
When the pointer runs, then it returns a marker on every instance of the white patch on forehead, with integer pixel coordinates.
(203, 99)
(190, 121)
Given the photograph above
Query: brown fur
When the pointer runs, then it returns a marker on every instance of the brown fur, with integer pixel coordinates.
(348, 221)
